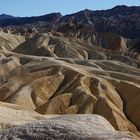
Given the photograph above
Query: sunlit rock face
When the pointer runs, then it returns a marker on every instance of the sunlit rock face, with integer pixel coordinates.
(9, 41)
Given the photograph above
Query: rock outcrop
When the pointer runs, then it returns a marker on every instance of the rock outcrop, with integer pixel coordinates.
(8, 41)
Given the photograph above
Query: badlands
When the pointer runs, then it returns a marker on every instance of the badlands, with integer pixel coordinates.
(78, 84)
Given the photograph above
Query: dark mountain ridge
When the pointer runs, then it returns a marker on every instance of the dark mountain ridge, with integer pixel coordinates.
(122, 20)
(51, 18)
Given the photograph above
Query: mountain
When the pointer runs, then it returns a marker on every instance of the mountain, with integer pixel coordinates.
(121, 20)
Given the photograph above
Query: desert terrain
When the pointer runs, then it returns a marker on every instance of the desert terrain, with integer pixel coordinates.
(68, 80)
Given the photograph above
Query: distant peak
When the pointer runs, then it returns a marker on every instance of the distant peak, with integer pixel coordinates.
(86, 10)
(5, 16)
(125, 8)
(58, 14)
(121, 6)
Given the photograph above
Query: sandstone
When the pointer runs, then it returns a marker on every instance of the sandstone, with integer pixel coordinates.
(9, 41)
